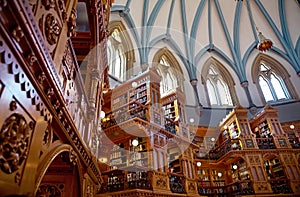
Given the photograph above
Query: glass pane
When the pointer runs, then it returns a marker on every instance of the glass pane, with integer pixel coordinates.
(115, 34)
(265, 89)
(212, 71)
(264, 67)
(224, 93)
(277, 87)
(211, 93)
(169, 82)
(117, 65)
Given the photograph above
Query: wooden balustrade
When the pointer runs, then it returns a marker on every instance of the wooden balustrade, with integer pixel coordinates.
(266, 143)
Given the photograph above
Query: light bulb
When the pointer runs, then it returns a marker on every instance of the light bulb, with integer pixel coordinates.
(102, 114)
(135, 142)
(234, 167)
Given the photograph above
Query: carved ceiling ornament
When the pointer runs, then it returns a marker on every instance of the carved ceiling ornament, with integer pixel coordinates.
(14, 141)
(52, 29)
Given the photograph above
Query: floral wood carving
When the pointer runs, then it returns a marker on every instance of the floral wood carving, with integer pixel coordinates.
(52, 29)
(160, 182)
(14, 141)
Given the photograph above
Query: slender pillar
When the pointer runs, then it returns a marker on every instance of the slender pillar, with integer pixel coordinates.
(198, 104)
(252, 106)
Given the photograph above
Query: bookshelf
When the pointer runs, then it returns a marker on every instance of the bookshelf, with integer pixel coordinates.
(262, 130)
(241, 173)
(174, 113)
(118, 157)
(274, 169)
(138, 154)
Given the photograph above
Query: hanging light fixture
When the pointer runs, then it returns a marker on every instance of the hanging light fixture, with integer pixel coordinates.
(264, 44)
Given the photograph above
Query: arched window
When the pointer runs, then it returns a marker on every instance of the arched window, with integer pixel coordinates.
(120, 52)
(271, 84)
(272, 80)
(170, 71)
(218, 83)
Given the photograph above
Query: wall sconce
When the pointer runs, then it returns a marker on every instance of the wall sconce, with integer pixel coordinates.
(220, 174)
(199, 163)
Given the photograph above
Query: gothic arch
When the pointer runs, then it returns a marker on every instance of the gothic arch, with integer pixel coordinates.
(278, 68)
(175, 66)
(49, 159)
(224, 74)
(127, 45)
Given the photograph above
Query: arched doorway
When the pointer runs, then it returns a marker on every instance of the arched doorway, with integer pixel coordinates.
(61, 178)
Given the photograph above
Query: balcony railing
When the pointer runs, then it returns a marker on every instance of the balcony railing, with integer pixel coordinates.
(281, 186)
(124, 113)
(242, 188)
(177, 183)
(225, 147)
(170, 126)
(265, 143)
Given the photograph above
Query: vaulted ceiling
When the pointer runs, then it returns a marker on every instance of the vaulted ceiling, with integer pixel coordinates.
(194, 29)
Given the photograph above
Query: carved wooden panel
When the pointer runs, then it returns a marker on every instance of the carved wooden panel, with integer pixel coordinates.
(53, 190)
(16, 130)
(51, 15)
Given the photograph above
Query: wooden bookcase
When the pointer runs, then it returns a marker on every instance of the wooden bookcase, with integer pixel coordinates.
(174, 112)
(118, 157)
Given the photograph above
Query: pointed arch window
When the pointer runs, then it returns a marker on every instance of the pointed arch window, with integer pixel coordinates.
(170, 72)
(272, 80)
(218, 90)
(272, 84)
(116, 56)
(120, 53)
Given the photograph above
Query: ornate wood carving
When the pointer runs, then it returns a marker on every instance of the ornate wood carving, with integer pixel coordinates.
(15, 135)
(50, 190)
(52, 29)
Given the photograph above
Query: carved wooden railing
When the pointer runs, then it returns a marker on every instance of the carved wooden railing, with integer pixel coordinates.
(177, 183)
(266, 143)
(224, 148)
(281, 186)
(170, 126)
(118, 180)
(206, 188)
(123, 114)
